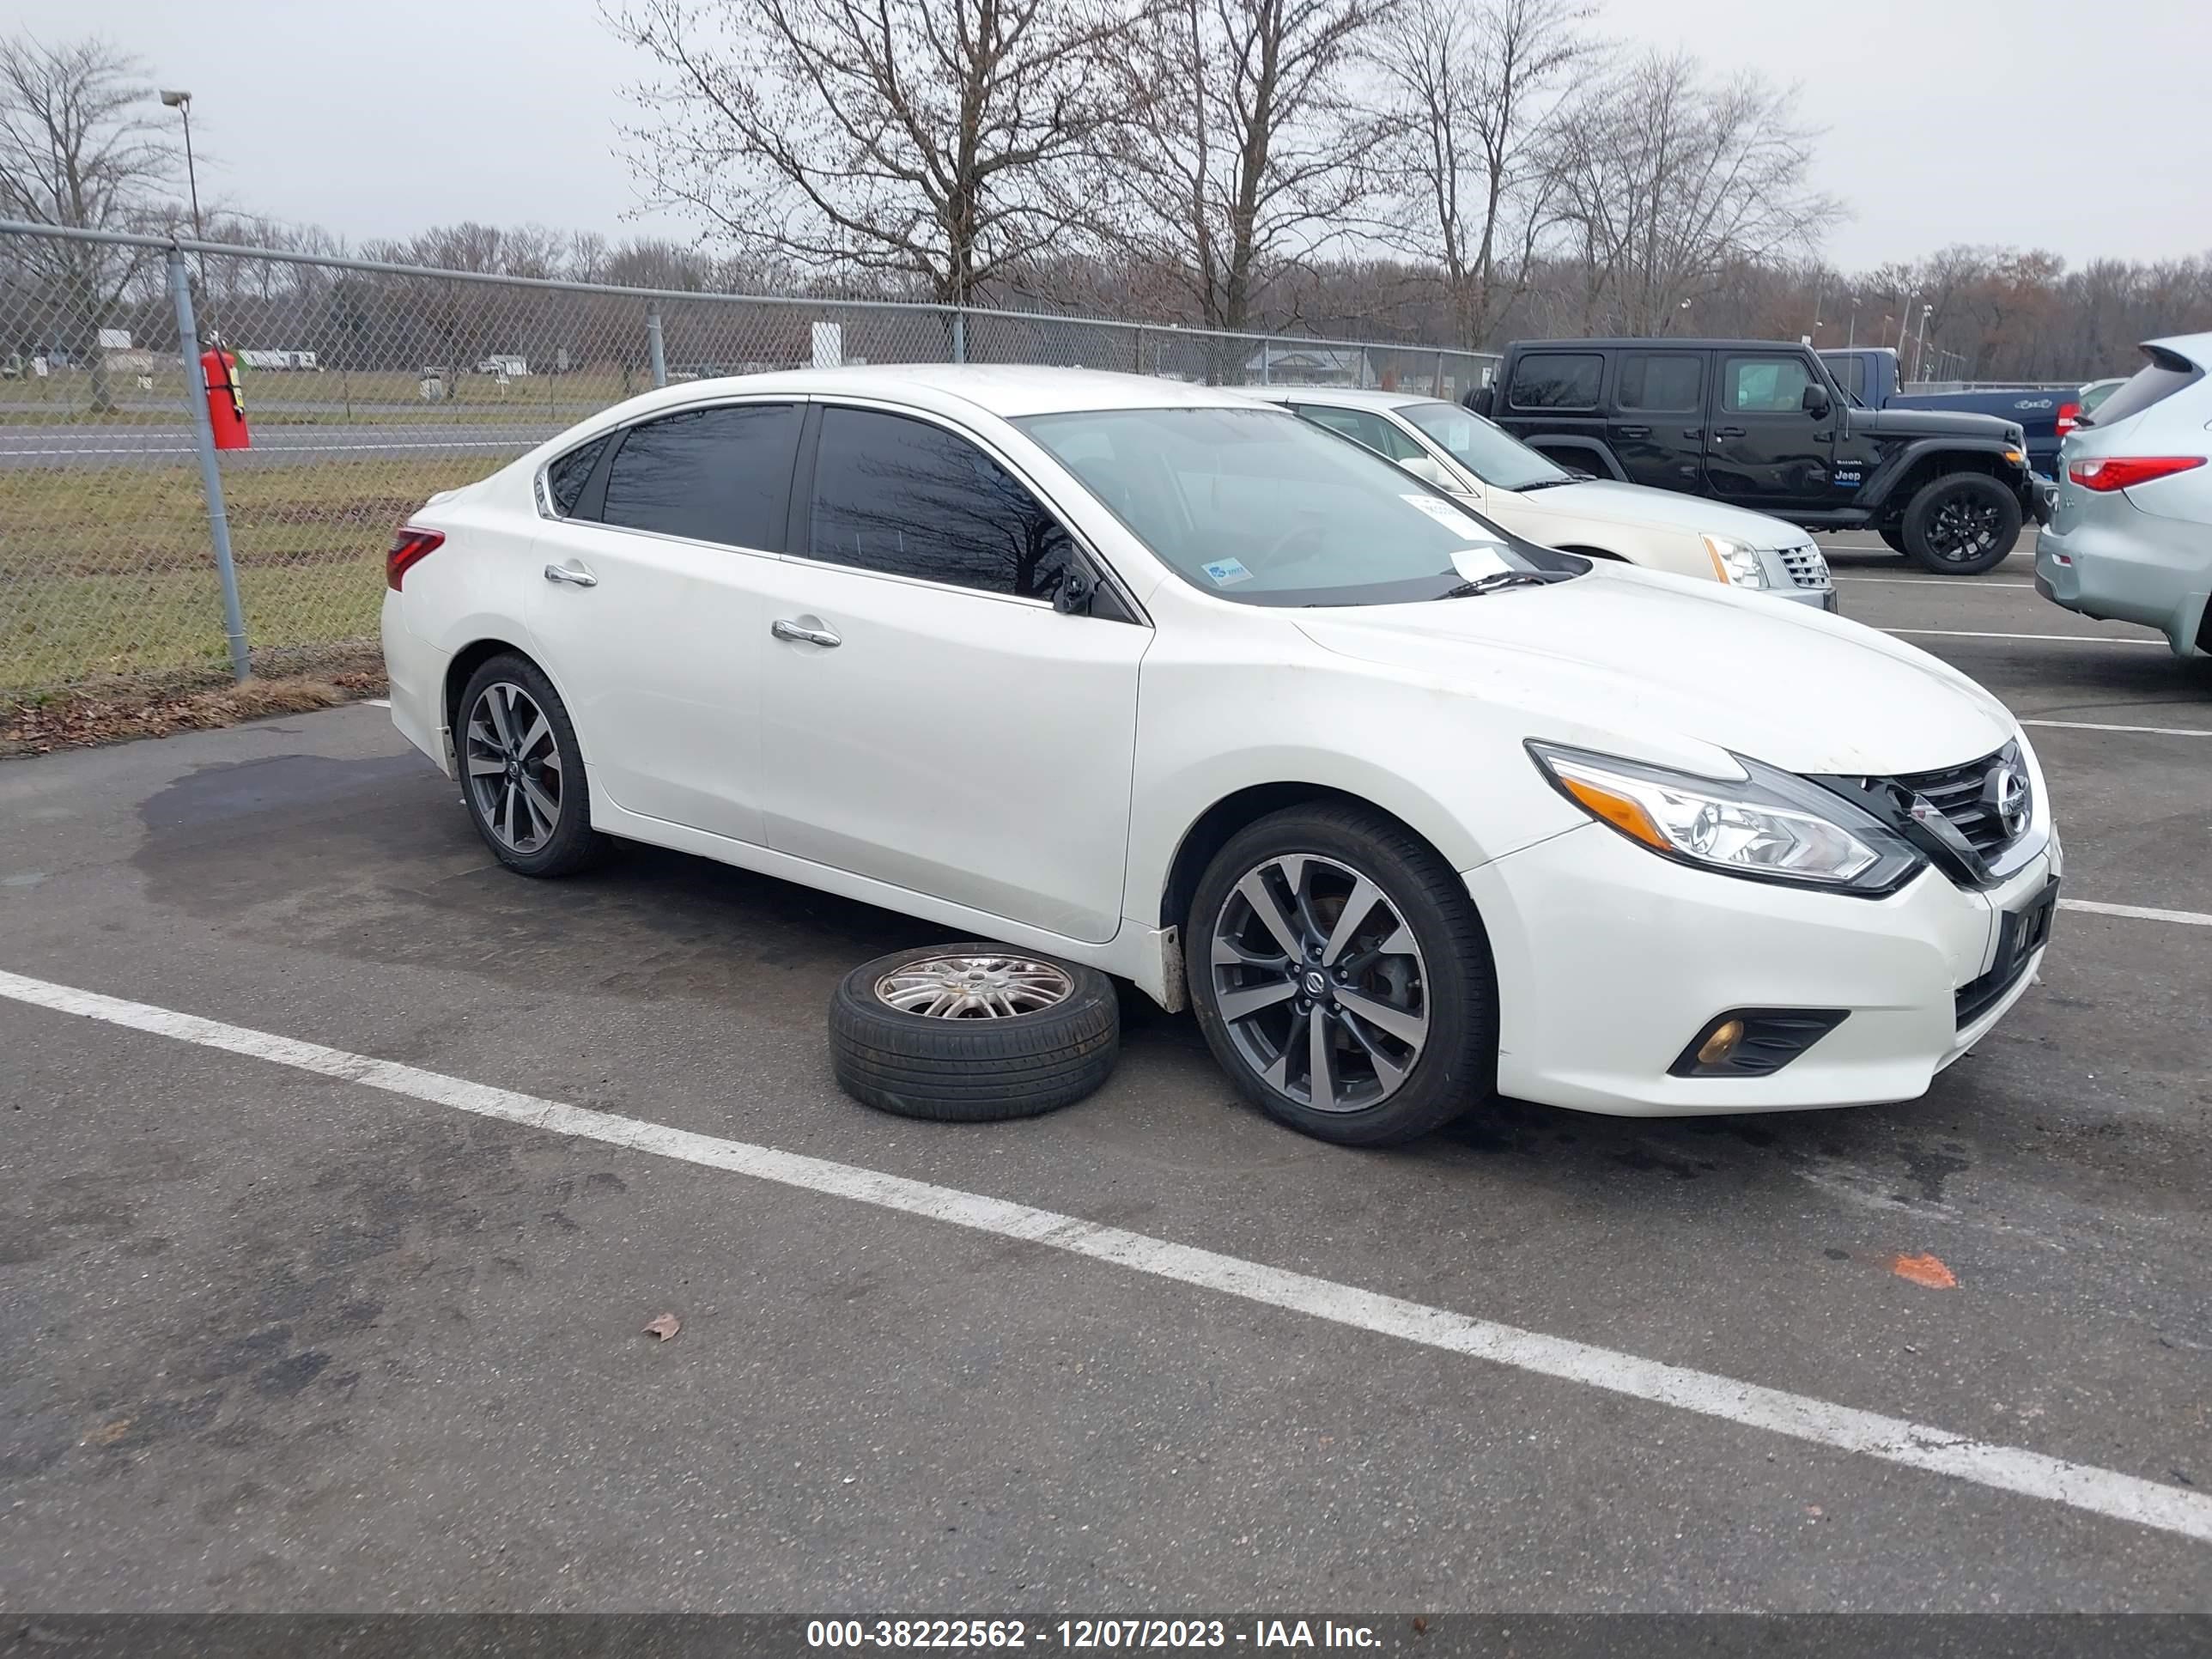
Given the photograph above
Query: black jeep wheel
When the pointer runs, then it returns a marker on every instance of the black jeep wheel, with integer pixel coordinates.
(1962, 524)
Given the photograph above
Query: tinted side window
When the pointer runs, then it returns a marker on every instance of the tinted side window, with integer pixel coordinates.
(565, 479)
(716, 475)
(1557, 379)
(910, 498)
(1666, 382)
(1764, 386)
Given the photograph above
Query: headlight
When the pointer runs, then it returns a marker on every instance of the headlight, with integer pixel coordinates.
(1733, 562)
(1771, 826)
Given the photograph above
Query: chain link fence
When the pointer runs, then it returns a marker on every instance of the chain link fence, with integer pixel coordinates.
(368, 388)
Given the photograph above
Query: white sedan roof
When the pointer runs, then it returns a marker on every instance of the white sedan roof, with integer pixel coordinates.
(1008, 391)
(1343, 397)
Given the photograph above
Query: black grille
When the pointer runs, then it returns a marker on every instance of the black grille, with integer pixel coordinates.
(1977, 996)
(1961, 794)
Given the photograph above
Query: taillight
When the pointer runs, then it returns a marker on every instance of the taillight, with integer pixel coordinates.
(2068, 414)
(409, 547)
(2104, 473)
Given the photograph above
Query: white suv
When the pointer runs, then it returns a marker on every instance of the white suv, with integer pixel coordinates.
(1533, 495)
(1157, 679)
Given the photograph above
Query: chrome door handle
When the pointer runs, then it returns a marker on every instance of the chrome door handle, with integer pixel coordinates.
(792, 630)
(554, 573)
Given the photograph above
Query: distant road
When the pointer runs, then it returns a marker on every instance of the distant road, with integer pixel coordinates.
(169, 446)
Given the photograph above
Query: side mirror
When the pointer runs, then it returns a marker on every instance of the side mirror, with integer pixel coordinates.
(1814, 401)
(1073, 596)
(1428, 469)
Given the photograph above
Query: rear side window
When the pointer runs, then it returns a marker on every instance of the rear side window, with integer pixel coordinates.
(1556, 379)
(909, 498)
(565, 479)
(1661, 382)
(2155, 381)
(714, 475)
(1764, 386)
(1365, 426)
(1850, 375)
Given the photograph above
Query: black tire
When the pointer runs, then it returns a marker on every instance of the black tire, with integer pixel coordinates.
(1454, 1067)
(1892, 534)
(553, 765)
(972, 1069)
(1962, 524)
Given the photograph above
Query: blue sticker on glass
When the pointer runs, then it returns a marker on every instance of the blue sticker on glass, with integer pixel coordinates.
(1227, 572)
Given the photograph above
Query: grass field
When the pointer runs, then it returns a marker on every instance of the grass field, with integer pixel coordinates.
(107, 571)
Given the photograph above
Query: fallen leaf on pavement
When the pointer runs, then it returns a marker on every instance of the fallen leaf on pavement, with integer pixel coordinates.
(1924, 1270)
(668, 1324)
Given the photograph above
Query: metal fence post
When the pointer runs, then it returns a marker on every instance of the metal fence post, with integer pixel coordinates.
(1137, 351)
(233, 618)
(959, 336)
(1440, 374)
(652, 345)
(1267, 363)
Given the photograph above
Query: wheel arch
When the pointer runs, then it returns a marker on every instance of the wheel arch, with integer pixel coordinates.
(1213, 830)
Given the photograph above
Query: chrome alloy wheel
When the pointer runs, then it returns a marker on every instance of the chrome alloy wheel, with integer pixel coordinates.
(1319, 982)
(512, 767)
(974, 988)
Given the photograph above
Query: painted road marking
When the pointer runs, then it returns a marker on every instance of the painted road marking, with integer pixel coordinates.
(1932, 581)
(2092, 726)
(2140, 912)
(1889, 1439)
(1968, 633)
(376, 702)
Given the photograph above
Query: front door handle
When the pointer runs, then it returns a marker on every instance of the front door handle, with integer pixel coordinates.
(792, 630)
(1729, 432)
(1633, 431)
(1693, 432)
(554, 573)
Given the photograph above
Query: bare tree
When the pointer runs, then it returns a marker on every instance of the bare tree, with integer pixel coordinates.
(939, 143)
(78, 152)
(1475, 92)
(1670, 178)
(1246, 150)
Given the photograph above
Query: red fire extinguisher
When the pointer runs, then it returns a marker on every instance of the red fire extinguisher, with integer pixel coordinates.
(226, 399)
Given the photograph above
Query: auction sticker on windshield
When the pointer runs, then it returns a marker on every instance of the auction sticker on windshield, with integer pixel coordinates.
(1225, 573)
(1445, 514)
(1474, 564)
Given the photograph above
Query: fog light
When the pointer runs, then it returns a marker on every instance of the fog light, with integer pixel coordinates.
(1753, 1042)
(1715, 1049)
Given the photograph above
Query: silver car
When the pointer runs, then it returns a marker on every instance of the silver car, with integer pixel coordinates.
(2131, 537)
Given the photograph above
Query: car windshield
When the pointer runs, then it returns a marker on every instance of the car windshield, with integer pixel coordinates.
(1258, 505)
(1494, 456)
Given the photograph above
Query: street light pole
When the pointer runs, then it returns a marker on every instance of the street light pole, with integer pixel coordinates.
(1854, 339)
(1920, 348)
(181, 101)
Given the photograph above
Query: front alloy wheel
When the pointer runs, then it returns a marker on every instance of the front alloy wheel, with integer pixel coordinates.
(1341, 977)
(1319, 982)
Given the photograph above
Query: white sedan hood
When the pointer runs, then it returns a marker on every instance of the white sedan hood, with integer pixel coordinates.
(1660, 669)
(1610, 502)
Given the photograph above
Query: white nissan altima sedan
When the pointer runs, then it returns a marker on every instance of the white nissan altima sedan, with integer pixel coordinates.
(1147, 677)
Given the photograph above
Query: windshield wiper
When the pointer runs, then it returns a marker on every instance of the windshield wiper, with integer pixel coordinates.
(1548, 483)
(1498, 579)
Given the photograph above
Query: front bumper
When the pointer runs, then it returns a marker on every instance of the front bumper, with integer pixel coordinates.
(2118, 564)
(1610, 959)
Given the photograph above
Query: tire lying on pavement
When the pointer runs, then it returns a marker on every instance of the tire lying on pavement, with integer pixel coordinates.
(972, 1033)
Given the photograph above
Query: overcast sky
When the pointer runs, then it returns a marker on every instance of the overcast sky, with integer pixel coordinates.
(1947, 120)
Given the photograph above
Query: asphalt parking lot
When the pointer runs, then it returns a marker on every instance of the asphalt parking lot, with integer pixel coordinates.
(286, 1329)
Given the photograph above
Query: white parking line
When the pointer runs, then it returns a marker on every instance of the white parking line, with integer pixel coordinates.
(376, 702)
(1843, 1428)
(2140, 912)
(2092, 726)
(1969, 633)
(1932, 581)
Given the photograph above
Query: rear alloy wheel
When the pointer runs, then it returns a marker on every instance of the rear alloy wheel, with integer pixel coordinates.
(972, 1033)
(522, 771)
(1962, 524)
(1341, 977)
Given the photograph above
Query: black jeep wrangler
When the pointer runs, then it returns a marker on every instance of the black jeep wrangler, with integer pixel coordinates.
(1761, 424)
